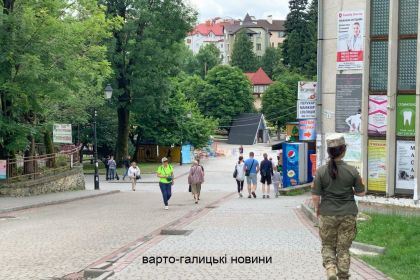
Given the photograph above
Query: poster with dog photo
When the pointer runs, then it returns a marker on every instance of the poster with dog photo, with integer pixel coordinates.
(405, 164)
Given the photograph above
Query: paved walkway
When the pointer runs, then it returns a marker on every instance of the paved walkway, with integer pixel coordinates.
(238, 228)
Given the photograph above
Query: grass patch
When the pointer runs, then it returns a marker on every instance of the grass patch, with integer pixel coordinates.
(400, 235)
(295, 192)
(146, 168)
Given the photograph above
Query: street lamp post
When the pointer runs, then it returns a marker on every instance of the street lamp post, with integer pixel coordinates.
(108, 95)
(189, 115)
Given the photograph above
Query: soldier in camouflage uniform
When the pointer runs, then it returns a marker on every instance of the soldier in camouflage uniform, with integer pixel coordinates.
(333, 191)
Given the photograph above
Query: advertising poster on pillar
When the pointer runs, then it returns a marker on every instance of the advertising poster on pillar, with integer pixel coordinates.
(377, 115)
(306, 90)
(376, 165)
(307, 130)
(406, 115)
(350, 40)
(348, 103)
(354, 147)
(405, 164)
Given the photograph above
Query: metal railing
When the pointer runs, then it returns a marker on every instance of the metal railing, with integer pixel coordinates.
(34, 167)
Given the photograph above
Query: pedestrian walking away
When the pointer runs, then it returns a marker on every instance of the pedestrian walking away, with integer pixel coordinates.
(166, 174)
(241, 150)
(333, 191)
(127, 165)
(266, 171)
(134, 175)
(277, 179)
(239, 175)
(251, 169)
(112, 168)
(105, 161)
(195, 179)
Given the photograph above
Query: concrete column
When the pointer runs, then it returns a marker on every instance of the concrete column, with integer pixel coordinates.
(365, 95)
(417, 157)
(392, 97)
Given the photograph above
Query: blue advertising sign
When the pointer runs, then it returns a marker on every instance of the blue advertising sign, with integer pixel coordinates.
(290, 165)
(307, 131)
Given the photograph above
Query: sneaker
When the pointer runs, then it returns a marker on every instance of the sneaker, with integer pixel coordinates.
(267, 196)
(249, 196)
(254, 195)
(240, 195)
(277, 195)
(263, 195)
(166, 208)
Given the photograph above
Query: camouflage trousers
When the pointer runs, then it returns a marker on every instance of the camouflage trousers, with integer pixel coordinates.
(337, 234)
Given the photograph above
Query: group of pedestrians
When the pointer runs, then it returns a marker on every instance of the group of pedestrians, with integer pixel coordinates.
(248, 170)
(132, 171)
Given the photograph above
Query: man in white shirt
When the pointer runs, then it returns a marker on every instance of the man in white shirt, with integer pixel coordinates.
(355, 42)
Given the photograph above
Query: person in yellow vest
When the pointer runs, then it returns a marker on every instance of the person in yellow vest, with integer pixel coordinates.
(166, 174)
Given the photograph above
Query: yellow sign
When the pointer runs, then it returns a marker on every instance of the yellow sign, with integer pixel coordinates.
(376, 165)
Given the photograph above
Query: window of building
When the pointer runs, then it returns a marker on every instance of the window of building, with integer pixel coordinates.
(221, 46)
(259, 57)
(188, 41)
(407, 50)
(281, 34)
(258, 47)
(379, 29)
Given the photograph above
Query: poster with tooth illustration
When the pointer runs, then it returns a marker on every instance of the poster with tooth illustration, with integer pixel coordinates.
(406, 115)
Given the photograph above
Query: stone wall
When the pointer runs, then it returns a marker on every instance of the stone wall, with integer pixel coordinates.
(69, 180)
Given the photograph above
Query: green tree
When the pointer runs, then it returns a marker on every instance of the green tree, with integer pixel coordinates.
(296, 32)
(270, 60)
(179, 121)
(207, 57)
(243, 55)
(228, 94)
(310, 45)
(279, 103)
(53, 68)
(193, 87)
(144, 55)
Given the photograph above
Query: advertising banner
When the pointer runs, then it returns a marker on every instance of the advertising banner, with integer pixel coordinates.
(290, 165)
(405, 164)
(348, 103)
(62, 133)
(354, 147)
(350, 40)
(307, 130)
(377, 115)
(406, 115)
(306, 109)
(3, 166)
(306, 90)
(376, 165)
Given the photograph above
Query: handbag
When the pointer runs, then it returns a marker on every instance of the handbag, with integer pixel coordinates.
(247, 172)
(138, 177)
(235, 172)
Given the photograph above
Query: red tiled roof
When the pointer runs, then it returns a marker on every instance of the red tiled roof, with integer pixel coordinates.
(259, 78)
(207, 27)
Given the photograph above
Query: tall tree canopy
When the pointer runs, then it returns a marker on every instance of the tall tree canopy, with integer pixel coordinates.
(228, 94)
(208, 56)
(270, 60)
(243, 55)
(53, 67)
(144, 55)
(296, 31)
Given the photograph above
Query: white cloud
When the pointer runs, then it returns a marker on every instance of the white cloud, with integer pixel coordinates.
(208, 9)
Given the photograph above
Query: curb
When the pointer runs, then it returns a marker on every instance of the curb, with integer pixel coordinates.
(61, 201)
(365, 248)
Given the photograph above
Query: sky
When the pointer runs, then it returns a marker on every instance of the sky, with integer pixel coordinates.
(236, 9)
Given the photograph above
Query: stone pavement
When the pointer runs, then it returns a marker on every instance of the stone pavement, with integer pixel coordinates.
(237, 228)
(9, 204)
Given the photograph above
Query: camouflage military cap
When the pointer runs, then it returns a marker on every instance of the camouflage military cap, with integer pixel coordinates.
(336, 141)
